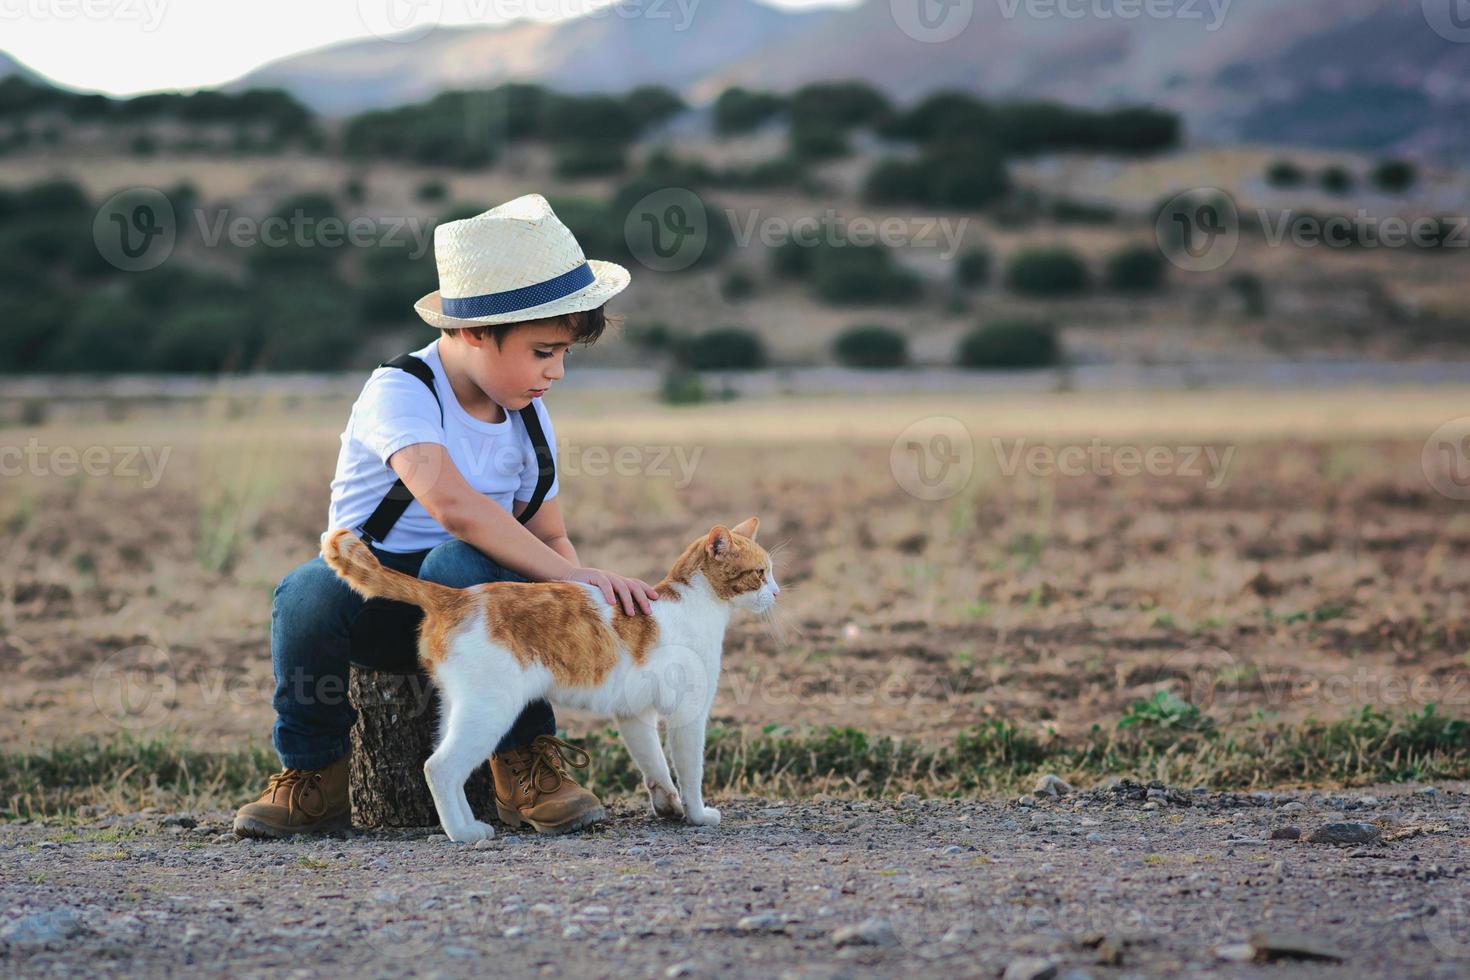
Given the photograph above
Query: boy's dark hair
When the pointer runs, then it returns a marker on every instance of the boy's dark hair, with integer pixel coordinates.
(586, 326)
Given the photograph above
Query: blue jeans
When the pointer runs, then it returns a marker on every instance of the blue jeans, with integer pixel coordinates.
(312, 616)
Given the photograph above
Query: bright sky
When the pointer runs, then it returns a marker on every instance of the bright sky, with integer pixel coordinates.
(126, 47)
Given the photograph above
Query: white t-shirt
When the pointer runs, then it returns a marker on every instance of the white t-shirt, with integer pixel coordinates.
(394, 410)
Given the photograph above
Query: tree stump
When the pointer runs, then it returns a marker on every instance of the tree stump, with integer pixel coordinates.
(397, 720)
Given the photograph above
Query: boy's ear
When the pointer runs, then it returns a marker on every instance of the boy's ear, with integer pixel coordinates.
(746, 528)
(717, 542)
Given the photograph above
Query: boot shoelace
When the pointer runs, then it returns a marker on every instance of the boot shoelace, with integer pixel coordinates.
(297, 782)
(548, 756)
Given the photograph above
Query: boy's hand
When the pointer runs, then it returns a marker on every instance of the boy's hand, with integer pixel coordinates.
(632, 593)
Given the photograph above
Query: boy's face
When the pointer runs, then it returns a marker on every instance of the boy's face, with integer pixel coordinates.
(524, 367)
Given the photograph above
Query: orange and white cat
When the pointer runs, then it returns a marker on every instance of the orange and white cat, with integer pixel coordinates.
(494, 648)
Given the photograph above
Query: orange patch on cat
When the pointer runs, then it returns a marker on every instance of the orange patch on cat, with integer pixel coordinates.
(638, 633)
(553, 624)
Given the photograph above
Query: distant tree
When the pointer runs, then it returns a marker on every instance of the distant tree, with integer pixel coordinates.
(1010, 344)
(1056, 271)
(1395, 176)
(1136, 269)
(1336, 180)
(1285, 174)
(738, 110)
(871, 346)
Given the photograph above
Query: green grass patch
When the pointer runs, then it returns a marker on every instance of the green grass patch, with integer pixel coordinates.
(1161, 738)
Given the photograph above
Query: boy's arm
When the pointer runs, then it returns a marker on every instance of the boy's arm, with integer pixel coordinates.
(436, 483)
(550, 528)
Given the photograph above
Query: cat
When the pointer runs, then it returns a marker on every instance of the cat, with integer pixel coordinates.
(494, 648)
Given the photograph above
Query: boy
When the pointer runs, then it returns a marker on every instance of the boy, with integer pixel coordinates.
(515, 293)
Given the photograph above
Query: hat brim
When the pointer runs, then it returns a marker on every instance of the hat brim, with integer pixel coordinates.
(610, 280)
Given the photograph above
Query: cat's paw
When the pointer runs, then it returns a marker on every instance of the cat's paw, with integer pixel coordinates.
(666, 804)
(471, 833)
(708, 817)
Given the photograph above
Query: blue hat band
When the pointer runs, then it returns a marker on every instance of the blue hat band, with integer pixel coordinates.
(523, 298)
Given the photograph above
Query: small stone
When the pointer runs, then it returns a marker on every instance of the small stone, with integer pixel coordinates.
(179, 820)
(872, 931)
(1272, 946)
(513, 932)
(484, 845)
(1151, 805)
(1236, 952)
(510, 840)
(1025, 801)
(909, 801)
(1344, 833)
(954, 849)
(685, 968)
(1295, 806)
(1030, 968)
(573, 931)
(761, 922)
(1426, 791)
(1051, 785)
(1286, 833)
(43, 928)
(1367, 801)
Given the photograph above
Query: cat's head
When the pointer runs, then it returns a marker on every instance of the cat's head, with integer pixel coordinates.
(738, 569)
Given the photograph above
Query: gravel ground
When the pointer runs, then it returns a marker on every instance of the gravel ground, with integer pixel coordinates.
(1121, 880)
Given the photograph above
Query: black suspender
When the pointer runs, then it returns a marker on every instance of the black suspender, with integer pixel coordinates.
(398, 497)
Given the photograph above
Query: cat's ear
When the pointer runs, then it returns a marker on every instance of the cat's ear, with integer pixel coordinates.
(746, 528)
(717, 542)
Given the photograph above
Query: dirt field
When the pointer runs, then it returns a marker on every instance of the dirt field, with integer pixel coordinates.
(1286, 557)
(1112, 883)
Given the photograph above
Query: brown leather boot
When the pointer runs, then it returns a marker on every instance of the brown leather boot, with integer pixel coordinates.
(532, 786)
(299, 801)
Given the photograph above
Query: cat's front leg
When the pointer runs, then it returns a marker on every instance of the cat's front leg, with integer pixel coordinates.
(640, 735)
(686, 745)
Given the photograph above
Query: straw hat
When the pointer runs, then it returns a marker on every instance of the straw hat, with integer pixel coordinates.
(514, 262)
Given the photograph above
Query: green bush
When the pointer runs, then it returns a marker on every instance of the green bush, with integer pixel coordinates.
(723, 349)
(104, 334)
(1010, 344)
(738, 110)
(658, 336)
(738, 286)
(590, 159)
(960, 173)
(818, 141)
(1336, 180)
(1136, 269)
(1284, 173)
(431, 190)
(859, 274)
(1252, 293)
(871, 347)
(972, 269)
(681, 386)
(1395, 176)
(204, 339)
(1054, 271)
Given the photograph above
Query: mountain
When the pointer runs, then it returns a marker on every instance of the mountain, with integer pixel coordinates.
(1370, 74)
(603, 51)
(9, 66)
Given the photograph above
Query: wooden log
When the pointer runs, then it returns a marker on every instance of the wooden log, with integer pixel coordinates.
(397, 720)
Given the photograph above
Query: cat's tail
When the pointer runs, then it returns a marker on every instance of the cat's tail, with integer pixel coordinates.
(351, 559)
